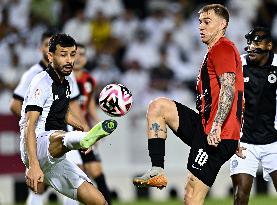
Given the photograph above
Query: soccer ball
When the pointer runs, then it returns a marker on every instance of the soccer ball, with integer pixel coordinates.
(115, 100)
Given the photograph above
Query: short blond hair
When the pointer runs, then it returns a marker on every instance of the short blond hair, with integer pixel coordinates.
(218, 9)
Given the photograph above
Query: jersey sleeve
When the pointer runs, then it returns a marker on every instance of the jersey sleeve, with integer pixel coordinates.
(75, 93)
(21, 88)
(37, 95)
(224, 59)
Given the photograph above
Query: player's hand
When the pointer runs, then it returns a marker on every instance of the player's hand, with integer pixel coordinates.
(34, 176)
(214, 136)
(239, 152)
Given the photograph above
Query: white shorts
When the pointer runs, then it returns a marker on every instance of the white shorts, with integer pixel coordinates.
(60, 173)
(266, 154)
(74, 156)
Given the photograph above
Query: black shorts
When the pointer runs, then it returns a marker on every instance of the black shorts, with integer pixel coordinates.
(90, 157)
(204, 160)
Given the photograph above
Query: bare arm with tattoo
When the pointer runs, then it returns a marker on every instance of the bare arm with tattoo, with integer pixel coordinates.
(226, 97)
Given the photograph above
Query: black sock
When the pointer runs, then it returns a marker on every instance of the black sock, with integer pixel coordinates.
(156, 147)
(103, 188)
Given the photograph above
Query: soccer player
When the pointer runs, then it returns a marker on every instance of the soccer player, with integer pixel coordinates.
(20, 91)
(213, 133)
(259, 135)
(44, 115)
(90, 162)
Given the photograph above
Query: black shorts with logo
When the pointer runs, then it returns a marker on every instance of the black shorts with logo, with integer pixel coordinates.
(204, 160)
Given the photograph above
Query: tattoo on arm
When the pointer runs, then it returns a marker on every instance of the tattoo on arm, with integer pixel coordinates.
(157, 128)
(226, 96)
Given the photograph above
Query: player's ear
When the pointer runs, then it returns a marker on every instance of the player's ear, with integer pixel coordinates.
(223, 24)
(50, 56)
(269, 46)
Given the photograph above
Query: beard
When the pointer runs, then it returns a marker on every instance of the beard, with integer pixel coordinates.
(62, 70)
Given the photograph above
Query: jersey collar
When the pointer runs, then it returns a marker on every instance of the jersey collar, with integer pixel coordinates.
(44, 67)
(53, 74)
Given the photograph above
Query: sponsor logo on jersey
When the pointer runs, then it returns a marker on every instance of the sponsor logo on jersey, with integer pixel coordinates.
(246, 79)
(235, 163)
(272, 78)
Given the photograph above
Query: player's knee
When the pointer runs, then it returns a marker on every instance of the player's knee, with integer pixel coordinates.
(56, 147)
(157, 107)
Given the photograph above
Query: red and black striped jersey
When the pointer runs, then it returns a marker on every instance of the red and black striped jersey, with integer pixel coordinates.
(86, 84)
(223, 57)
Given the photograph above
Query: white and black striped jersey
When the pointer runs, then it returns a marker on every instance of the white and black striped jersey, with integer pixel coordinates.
(20, 90)
(49, 96)
(260, 91)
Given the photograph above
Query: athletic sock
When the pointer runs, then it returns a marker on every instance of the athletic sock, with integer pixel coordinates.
(156, 147)
(103, 188)
(34, 199)
(72, 139)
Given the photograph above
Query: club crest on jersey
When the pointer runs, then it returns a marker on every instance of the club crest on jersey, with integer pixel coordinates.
(235, 163)
(37, 93)
(246, 79)
(272, 78)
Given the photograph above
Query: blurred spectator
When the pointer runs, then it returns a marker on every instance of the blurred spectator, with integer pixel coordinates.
(5, 96)
(137, 80)
(266, 13)
(18, 13)
(44, 10)
(237, 20)
(27, 54)
(142, 51)
(175, 57)
(247, 8)
(109, 8)
(105, 72)
(125, 26)
(157, 24)
(68, 9)
(162, 77)
(11, 73)
(123, 29)
(100, 28)
(138, 6)
(78, 27)
(5, 27)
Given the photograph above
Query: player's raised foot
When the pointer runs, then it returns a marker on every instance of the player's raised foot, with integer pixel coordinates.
(155, 177)
(100, 130)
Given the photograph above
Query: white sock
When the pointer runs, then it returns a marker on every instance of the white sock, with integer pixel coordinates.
(34, 199)
(69, 201)
(72, 139)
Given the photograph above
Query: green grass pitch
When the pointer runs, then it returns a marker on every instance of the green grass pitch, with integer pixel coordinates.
(258, 200)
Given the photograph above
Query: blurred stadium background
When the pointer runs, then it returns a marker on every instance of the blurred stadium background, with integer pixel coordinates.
(151, 46)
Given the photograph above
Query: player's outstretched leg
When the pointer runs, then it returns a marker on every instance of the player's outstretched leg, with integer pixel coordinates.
(161, 112)
(155, 177)
(100, 130)
(62, 142)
